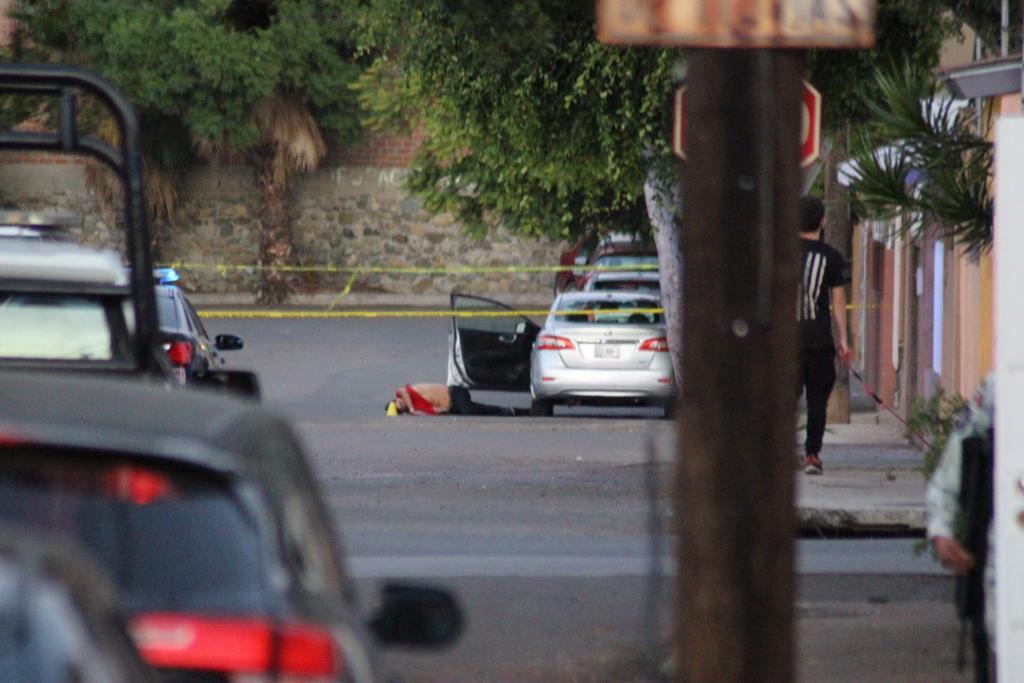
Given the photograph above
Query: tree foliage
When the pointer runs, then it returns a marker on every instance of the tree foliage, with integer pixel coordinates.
(257, 80)
(906, 31)
(207, 62)
(985, 17)
(528, 119)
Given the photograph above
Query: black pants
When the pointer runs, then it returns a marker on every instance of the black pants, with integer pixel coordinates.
(817, 374)
(462, 404)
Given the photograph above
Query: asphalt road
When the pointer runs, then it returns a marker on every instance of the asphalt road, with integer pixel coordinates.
(543, 525)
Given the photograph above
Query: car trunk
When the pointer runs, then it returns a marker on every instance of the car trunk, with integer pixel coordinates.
(608, 347)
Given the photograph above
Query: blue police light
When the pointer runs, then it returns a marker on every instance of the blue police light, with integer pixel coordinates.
(165, 276)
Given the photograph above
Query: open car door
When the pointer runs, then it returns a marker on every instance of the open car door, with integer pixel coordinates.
(489, 345)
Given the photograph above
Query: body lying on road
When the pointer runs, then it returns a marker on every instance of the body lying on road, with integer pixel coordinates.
(438, 399)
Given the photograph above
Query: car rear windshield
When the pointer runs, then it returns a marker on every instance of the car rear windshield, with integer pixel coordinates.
(167, 312)
(604, 312)
(627, 286)
(62, 327)
(620, 260)
(171, 539)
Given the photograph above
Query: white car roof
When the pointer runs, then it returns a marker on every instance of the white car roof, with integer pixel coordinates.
(60, 262)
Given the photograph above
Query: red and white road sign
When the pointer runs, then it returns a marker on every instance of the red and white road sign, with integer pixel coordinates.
(810, 124)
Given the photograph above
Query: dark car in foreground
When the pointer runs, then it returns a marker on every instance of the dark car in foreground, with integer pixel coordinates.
(204, 512)
(59, 619)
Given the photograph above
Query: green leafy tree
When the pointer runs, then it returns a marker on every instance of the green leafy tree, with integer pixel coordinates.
(530, 123)
(528, 119)
(256, 80)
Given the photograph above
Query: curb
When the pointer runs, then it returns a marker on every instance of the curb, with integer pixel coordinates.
(910, 521)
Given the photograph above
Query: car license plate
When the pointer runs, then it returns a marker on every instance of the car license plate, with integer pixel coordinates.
(606, 351)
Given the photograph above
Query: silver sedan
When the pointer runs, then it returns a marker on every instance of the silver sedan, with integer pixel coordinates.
(606, 348)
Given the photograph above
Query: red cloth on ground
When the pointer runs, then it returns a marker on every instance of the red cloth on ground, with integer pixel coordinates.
(419, 404)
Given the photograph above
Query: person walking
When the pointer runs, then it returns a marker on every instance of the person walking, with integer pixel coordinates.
(822, 278)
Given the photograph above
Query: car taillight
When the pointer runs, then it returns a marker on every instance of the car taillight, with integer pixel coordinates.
(136, 484)
(8, 440)
(295, 652)
(549, 342)
(657, 344)
(180, 353)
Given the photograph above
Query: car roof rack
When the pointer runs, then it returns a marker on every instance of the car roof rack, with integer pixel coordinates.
(65, 83)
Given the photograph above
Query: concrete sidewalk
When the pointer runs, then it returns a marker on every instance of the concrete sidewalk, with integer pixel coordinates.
(872, 480)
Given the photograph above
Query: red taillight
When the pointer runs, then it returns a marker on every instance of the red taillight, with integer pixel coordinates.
(235, 646)
(8, 440)
(549, 342)
(136, 484)
(180, 353)
(307, 651)
(189, 642)
(657, 344)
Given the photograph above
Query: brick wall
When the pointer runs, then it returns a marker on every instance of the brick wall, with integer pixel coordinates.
(380, 150)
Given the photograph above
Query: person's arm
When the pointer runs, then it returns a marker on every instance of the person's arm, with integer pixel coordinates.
(839, 310)
(942, 499)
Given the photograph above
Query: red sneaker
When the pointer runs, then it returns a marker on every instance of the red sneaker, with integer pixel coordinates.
(812, 464)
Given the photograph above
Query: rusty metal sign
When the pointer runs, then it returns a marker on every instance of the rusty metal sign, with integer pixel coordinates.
(737, 23)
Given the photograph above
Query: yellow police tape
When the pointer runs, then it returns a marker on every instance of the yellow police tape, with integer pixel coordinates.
(285, 314)
(279, 314)
(223, 268)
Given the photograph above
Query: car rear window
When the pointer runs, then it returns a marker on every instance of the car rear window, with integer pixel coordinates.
(605, 312)
(627, 285)
(61, 327)
(166, 312)
(171, 539)
(620, 260)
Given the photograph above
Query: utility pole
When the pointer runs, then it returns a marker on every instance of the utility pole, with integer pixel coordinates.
(736, 461)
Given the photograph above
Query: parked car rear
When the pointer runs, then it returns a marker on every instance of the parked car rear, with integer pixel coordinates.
(613, 252)
(183, 337)
(204, 513)
(607, 348)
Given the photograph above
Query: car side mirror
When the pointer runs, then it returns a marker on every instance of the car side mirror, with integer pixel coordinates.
(416, 616)
(228, 342)
(240, 382)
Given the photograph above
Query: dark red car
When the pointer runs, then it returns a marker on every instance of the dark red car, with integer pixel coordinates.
(613, 251)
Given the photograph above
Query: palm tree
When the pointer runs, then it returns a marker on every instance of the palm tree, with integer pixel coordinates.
(290, 142)
(919, 155)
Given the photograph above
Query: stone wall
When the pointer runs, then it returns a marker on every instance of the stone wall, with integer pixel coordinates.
(50, 182)
(343, 217)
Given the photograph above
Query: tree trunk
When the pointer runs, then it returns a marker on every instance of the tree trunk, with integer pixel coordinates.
(275, 233)
(838, 231)
(663, 206)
